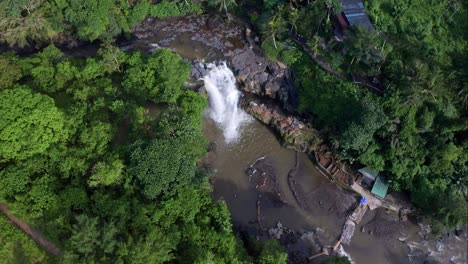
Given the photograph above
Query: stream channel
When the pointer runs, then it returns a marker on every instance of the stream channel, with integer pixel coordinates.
(263, 192)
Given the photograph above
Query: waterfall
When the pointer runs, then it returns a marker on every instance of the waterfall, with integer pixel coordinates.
(223, 97)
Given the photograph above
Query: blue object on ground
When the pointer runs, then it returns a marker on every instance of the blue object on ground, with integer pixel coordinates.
(363, 200)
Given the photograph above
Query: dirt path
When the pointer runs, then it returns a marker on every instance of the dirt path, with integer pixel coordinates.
(372, 201)
(35, 235)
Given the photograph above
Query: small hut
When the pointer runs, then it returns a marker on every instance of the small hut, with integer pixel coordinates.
(368, 175)
(378, 182)
(354, 14)
(380, 187)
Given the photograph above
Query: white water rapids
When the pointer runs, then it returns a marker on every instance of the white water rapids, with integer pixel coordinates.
(223, 96)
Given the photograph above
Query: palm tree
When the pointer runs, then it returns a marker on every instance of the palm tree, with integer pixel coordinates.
(223, 5)
(276, 25)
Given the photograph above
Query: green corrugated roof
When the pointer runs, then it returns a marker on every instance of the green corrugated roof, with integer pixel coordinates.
(369, 172)
(380, 187)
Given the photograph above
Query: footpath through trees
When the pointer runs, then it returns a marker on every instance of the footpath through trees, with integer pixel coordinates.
(34, 234)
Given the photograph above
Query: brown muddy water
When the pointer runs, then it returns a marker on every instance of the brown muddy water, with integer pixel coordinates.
(181, 44)
(377, 238)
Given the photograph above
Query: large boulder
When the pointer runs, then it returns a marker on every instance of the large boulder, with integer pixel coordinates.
(296, 134)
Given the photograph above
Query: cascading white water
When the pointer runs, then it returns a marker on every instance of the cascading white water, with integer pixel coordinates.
(223, 96)
(342, 253)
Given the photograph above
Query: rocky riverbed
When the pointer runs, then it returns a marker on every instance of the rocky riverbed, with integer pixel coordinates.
(208, 38)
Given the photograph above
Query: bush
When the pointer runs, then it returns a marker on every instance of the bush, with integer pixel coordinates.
(269, 51)
(336, 260)
(171, 9)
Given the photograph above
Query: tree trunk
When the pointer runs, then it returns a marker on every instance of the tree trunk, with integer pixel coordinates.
(274, 41)
(225, 9)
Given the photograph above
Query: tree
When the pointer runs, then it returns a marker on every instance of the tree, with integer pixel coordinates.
(10, 72)
(158, 78)
(112, 57)
(106, 173)
(23, 21)
(90, 18)
(272, 253)
(162, 166)
(223, 5)
(276, 25)
(359, 132)
(91, 241)
(367, 59)
(29, 123)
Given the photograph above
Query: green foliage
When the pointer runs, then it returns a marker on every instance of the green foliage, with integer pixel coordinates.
(16, 247)
(106, 173)
(312, 19)
(269, 51)
(290, 55)
(91, 18)
(23, 21)
(28, 193)
(270, 4)
(166, 9)
(365, 58)
(222, 5)
(10, 72)
(91, 241)
(274, 24)
(158, 78)
(271, 252)
(26, 22)
(336, 260)
(168, 162)
(332, 100)
(359, 132)
(29, 124)
(65, 158)
(162, 166)
(138, 12)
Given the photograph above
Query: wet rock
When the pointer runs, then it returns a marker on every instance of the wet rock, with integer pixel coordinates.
(276, 232)
(458, 232)
(403, 218)
(348, 232)
(231, 42)
(402, 239)
(212, 147)
(263, 177)
(198, 69)
(295, 133)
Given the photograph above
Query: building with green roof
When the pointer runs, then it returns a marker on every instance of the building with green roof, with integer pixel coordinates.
(368, 175)
(378, 182)
(380, 187)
